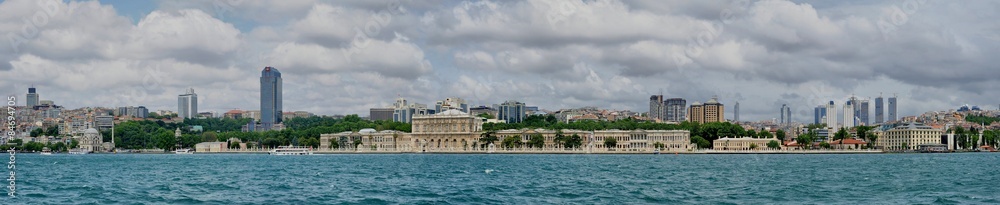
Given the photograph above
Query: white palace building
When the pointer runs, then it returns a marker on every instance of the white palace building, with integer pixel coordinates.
(457, 131)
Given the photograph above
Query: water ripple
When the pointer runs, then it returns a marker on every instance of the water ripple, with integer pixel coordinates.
(507, 179)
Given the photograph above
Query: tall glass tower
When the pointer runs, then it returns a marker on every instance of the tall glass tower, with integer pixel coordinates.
(270, 97)
(31, 99)
(187, 105)
(879, 110)
(892, 109)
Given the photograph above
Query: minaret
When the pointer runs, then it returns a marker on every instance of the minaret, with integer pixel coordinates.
(177, 137)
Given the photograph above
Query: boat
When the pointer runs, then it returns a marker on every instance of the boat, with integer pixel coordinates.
(657, 151)
(291, 150)
(184, 151)
(46, 151)
(79, 151)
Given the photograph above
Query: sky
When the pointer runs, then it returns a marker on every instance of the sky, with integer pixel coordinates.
(344, 57)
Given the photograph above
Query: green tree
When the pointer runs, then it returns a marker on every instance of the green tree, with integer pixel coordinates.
(841, 135)
(961, 137)
(511, 142)
(610, 142)
(52, 131)
(165, 140)
(33, 147)
(310, 142)
(658, 145)
(774, 144)
(189, 140)
(16, 142)
(488, 137)
(753, 146)
(57, 147)
(806, 140)
(906, 146)
(210, 136)
(981, 119)
(73, 144)
(824, 145)
(751, 133)
(356, 143)
(872, 137)
(574, 141)
(975, 141)
(863, 132)
(36, 132)
(560, 138)
(701, 142)
(780, 134)
(764, 134)
(536, 141)
(334, 143)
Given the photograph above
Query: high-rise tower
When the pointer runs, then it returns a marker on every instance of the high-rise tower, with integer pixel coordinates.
(270, 97)
(879, 110)
(892, 109)
(31, 99)
(187, 104)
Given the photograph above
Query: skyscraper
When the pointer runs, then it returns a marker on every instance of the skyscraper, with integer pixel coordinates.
(403, 111)
(892, 109)
(786, 114)
(512, 111)
(270, 98)
(656, 108)
(862, 112)
(736, 112)
(31, 99)
(187, 104)
(849, 118)
(879, 110)
(676, 110)
(818, 113)
(831, 115)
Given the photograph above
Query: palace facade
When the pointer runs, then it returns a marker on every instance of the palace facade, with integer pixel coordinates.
(457, 131)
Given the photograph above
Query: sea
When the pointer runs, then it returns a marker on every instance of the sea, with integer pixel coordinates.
(960, 178)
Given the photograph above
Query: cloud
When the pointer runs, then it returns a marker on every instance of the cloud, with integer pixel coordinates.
(396, 58)
(554, 54)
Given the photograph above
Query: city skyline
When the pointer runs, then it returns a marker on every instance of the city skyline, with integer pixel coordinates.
(428, 52)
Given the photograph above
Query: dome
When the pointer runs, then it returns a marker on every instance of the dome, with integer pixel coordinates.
(696, 103)
(91, 131)
(367, 131)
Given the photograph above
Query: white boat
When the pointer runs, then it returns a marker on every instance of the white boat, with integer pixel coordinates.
(79, 151)
(184, 151)
(290, 150)
(46, 151)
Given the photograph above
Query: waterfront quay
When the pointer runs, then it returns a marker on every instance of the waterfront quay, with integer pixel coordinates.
(551, 151)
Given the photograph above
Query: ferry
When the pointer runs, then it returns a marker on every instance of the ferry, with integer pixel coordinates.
(290, 150)
(79, 151)
(46, 151)
(183, 151)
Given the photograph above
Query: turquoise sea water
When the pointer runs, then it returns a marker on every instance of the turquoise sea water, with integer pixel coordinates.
(507, 179)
